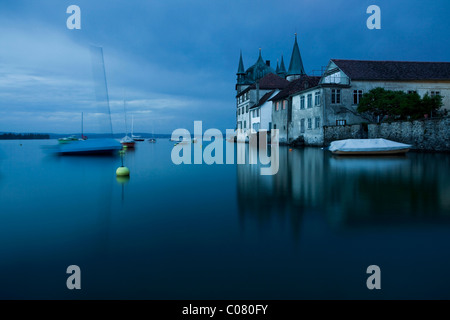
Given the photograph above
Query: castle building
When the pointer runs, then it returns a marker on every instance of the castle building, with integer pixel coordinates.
(333, 98)
(258, 84)
(299, 106)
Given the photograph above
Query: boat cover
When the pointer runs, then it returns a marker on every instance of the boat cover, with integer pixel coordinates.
(354, 145)
(90, 146)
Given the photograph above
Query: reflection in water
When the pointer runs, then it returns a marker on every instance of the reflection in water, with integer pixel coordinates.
(348, 191)
(123, 180)
(264, 197)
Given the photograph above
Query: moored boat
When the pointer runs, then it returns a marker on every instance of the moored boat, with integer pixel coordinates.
(368, 147)
(128, 142)
(91, 146)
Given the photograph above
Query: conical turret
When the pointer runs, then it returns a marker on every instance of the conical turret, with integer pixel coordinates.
(241, 71)
(282, 70)
(296, 68)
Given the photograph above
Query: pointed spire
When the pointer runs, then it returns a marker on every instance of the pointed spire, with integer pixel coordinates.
(296, 64)
(277, 70)
(241, 69)
(282, 71)
(260, 59)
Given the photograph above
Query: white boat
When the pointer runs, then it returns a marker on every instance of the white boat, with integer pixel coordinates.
(91, 146)
(127, 141)
(135, 138)
(368, 147)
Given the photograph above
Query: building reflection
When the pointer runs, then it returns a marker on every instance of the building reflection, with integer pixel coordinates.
(347, 191)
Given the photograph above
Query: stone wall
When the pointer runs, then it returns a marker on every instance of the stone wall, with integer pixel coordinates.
(332, 133)
(425, 135)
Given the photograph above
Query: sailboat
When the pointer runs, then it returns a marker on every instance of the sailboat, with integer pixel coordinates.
(135, 138)
(126, 141)
(152, 139)
(73, 137)
(95, 146)
(83, 137)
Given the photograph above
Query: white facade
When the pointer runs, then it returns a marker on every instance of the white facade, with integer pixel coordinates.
(307, 116)
(261, 116)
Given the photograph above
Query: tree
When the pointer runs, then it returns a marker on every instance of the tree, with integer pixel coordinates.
(431, 105)
(378, 104)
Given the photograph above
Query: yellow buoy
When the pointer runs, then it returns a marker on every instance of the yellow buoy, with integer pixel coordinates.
(122, 171)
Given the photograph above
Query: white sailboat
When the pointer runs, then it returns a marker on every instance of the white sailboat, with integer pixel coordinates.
(126, 141)
(135, 138)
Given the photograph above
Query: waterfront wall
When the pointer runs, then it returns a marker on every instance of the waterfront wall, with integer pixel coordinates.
(425, 135)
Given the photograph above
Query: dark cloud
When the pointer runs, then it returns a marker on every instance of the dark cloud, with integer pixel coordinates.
(175, 61)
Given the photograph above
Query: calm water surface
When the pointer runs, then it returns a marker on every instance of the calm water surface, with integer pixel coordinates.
(222, 231)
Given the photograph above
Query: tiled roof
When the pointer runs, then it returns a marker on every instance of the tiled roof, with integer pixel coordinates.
(394, 70)
(303, 83)
(263, 99)
(268, 82)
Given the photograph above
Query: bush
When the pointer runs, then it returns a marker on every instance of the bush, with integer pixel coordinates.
(380, 104)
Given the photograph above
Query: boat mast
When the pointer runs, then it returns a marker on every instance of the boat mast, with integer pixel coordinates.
(125, 112)
(82, 126)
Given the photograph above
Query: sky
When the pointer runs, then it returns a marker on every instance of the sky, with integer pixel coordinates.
(174, 62)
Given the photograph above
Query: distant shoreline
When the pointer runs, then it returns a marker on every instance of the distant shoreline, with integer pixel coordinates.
(23, 136)
(48, 136)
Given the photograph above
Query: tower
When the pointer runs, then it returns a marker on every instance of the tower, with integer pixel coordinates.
(296, 68)
(241, 71)
(281, 71)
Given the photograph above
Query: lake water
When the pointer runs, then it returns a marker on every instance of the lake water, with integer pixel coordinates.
(222, 231)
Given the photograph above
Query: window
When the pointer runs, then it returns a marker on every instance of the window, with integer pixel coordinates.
(257, 113)
(335, 96)
(276, 106)
(435, 93)
(357, 94)
(309, 123)
(245, 124)
(341, 122)
(317, 122)
(246, 109)
(302, 102)
(310, 100)
(302, 125)
(284, 104)
(239, 111)
(317, 98)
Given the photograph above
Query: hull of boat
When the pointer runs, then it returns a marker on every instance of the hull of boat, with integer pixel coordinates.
(371, 153)
(86, 147)
(128, 144)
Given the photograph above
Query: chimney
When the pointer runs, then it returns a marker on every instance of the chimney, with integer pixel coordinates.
(268, 63)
